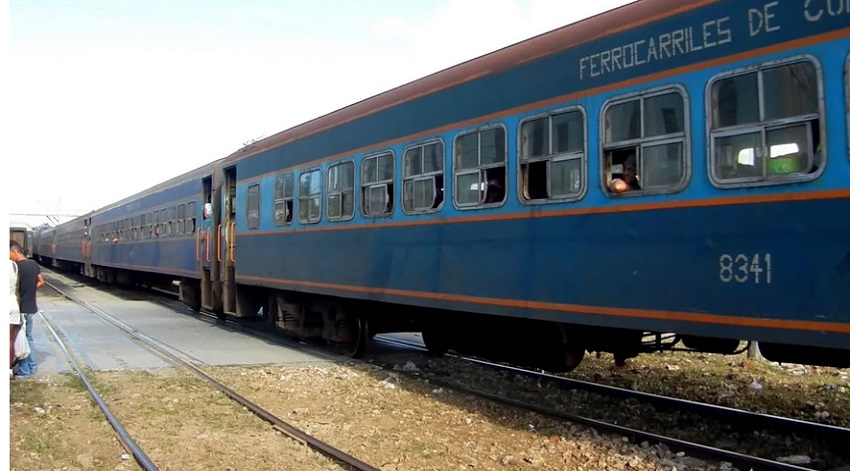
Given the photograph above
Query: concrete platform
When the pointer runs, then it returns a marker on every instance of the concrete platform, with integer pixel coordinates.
(104, 347)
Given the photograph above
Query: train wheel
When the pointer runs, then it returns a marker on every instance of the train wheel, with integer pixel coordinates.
(572, 358)
(356, 348)
(435, 343)
(572, 352)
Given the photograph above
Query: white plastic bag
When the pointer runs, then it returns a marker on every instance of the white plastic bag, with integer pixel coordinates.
(22, 347)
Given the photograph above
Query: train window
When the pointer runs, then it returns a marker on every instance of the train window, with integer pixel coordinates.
(172, 221)
(645, 144)
(766, 124)
(377, 178)
(181, 218)
(310, 196)
(157, 229)
(284, 190)
(480, 162)
(253, 210)
(191, 212)
(422, 191)
(552, 152)
(340, 194)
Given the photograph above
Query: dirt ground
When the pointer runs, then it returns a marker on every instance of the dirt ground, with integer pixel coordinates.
(179, 421)
(384, 418)
(398, 423)
(817, 394)
(54, 425)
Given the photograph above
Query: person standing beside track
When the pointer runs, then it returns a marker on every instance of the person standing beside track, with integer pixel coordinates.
(29, 280)
(14, 313)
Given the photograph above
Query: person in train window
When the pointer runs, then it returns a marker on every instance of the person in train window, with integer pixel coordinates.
(628, 181)
(495, 191)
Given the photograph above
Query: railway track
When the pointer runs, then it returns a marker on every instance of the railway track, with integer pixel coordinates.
(176, 357)
(738, 418)
(123, 436)
(697, 450)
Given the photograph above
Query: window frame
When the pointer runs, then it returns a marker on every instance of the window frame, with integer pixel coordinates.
(172, 221)
(763, 126)
(479, 168)
(181, 218)
(424, 176)
(552, 157)
(846, 108)
(309, 196)
(259, 203)
(640, 142)
(328, 193)
(191, 211)
(275, 200)
(364, 187)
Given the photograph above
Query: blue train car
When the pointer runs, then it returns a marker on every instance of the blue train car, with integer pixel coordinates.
(151, 238)
(70, 242)
(666, 167)
(43, 245)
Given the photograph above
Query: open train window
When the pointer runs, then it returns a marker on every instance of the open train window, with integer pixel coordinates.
(645, 142)
(766, 124)
(422, 190)
(552, 151)
(191, 214)
(284, 190)
(480, 161)
(253, 209)
(310, 196)
(377, 179)
(340, 194)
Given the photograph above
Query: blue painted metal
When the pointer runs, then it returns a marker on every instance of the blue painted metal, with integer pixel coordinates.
(659, 260)
(663, 259)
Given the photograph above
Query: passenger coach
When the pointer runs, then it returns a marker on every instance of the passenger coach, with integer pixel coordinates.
(668, 167)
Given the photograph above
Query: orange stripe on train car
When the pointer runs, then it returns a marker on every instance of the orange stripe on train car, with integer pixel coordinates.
(701, 203)
(693, 317)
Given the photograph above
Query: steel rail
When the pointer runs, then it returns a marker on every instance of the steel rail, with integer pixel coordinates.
(284, 427)
(739, 460)
(695, 449)
(129, 444)
(742, 418)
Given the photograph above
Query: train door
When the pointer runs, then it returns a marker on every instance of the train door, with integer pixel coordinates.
(227, 240)
(86, 247)
(205, 244)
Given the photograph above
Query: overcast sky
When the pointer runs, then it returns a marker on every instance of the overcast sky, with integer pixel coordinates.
(109, 97)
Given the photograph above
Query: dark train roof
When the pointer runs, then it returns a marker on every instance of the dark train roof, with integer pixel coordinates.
(604, 24)
(202, 170)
